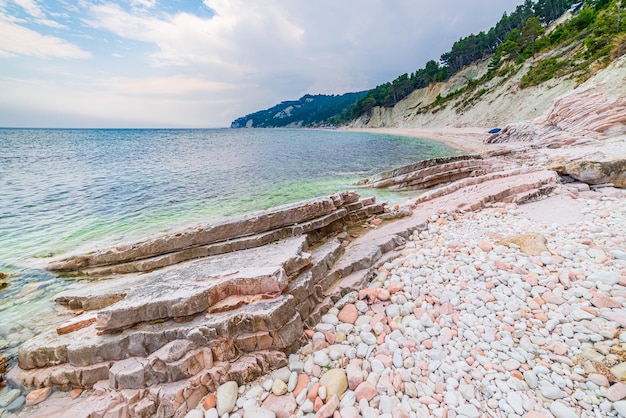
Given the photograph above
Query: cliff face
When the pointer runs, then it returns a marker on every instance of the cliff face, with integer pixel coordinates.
(596, 105)
(595, 110)
(576, 130)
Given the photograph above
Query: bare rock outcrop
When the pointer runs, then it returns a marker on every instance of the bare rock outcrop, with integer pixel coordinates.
(316, 216)
(436, 172)
(583, 134)
(606, 172)
(575, 118)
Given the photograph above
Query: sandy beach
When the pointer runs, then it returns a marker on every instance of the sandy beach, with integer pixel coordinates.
(467, 139)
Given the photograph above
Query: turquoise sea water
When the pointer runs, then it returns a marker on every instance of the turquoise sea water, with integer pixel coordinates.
(68, 190)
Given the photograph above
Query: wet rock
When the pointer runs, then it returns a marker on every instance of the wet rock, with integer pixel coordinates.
(16, 404)
(186, 245)
(7, 396)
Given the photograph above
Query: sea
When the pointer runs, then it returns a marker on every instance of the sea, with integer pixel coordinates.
(73, 190)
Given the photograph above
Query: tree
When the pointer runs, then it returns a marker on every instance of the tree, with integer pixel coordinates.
(531, 31)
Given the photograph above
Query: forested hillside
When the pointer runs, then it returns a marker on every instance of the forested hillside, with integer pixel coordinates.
(597, 25)
(537, 42)
(308, 111)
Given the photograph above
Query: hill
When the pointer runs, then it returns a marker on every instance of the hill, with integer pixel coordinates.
(308, 111)
(578, 67)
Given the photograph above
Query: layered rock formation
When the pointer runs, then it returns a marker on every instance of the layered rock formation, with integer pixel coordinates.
(155, 343)
(174, 334)
(577, 129)
(429, 173)
(575, 118)
(314, 216)
(586, 126)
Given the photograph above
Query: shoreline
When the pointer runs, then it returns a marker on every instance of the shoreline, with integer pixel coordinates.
(336, 345)
(466, 139)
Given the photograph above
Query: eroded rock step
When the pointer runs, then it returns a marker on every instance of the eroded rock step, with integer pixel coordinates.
(224, 247)
(442, 173)
(195, 287)
(243, 226)
(260, 324)
(432, 162)
(480, 185)
(445, 174)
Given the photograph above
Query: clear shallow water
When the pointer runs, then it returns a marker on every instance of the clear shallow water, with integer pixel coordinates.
(73, 190)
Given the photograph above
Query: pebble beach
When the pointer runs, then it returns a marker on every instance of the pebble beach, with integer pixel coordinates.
(511, 311)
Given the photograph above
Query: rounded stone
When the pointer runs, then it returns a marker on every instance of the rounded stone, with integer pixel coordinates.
(335, 381)
(258, 412)
(348, 314)
(279, 387)
(321, 359)
(562, 411)
(368, 338)
(226, 396)
(620, 407)
(511, 364)
(194, 413)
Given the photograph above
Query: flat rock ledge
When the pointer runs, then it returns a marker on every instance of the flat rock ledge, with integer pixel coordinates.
(318, 215)
(156, 343)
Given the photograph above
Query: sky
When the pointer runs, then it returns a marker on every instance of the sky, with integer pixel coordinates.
(202, 64)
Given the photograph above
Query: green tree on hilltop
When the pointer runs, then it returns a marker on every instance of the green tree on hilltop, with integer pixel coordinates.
(531, 31)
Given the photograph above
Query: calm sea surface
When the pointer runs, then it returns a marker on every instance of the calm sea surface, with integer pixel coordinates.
(73, 190)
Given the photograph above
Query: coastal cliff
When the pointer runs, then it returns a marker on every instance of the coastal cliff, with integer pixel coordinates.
(560, 102)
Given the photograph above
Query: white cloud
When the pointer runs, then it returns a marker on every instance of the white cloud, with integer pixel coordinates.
(161, 86)
(146, 4)
(51, 23)
(18, 40)
(31, 7)
(336, 46)
(187, 69)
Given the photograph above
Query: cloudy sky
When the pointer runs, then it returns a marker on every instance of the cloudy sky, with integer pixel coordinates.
(193, 63)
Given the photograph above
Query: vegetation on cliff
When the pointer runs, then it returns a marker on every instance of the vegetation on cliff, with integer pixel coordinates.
(596, 33)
